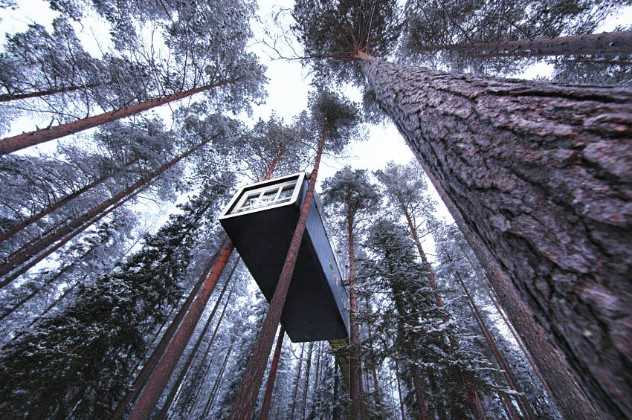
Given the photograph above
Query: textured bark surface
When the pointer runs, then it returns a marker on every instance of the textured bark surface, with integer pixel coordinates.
(540, 175)
(604, 43)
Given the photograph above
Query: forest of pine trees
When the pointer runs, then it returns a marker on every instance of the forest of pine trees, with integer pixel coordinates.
(472, 160)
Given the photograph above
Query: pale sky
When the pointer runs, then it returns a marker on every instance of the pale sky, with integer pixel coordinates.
(287, 91)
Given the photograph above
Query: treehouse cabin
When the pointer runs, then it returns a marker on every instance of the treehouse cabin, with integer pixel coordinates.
(260, 220)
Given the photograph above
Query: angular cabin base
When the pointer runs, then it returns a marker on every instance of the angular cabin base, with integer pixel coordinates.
(316, 307)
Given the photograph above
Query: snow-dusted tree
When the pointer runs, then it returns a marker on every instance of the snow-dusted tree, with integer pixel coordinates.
(461, 276)
(52, 287)
(513, 197)
(202, 58)
(433, 362)
(489, 35)
(84, 354)
(353, 196)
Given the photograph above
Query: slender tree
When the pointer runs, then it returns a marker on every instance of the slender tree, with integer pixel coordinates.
(334, 121)
(352, 193)
(267, 399)
(490, 168)
(89, 348)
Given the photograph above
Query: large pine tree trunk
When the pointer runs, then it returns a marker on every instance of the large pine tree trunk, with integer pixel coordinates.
(243, 406)
(22, 141)
(30, 250)
(267, 398)
(540, 175)
(604, 43)
(13, 230)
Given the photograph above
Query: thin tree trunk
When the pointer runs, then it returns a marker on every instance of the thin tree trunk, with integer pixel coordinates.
(48, 250)
(334, 405)
(249, 388)
(603, 43)
(267, 398)
(22, 141)
(28, 95)
(355, 368)
(298, 381)
(399, 391)
(13, 230)
(307, 372)
(161, 373)
(191, 402)
(24, 254)
(218, 381)
(149, 366)
(523, 403)
(376, 385)
(316, 402)
(551, 221)
(187, 365)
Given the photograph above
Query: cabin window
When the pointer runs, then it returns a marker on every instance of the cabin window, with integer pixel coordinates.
(266, 196)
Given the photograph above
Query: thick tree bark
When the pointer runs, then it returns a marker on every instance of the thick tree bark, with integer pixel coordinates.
(27, 252)
(540, 175)
(604, 43)
(22, 141)
(169, 357)
(187, 364)
(267, 398)
(243, 406)
(355, 364)
(13, 230)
